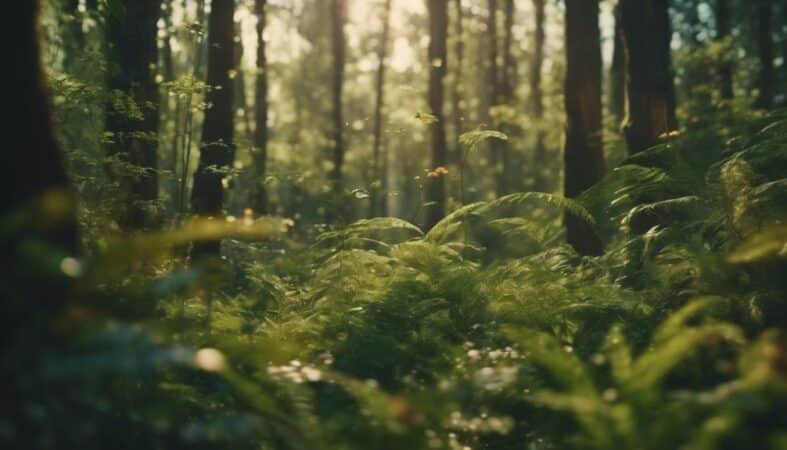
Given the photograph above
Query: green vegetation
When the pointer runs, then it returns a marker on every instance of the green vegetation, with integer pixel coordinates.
(185, 319)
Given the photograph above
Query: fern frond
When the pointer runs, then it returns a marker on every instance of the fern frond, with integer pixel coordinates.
(568, 205)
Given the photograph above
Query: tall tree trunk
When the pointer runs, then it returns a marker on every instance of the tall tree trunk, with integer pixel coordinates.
(723, 33)
(765, 47)
(537, 96)
(38, 204)
(38, 213)
(584, 154)
(241, 100)
(438, 31)
(509, 67)
(493, 77)
(261, 112)
(506, 97)
(132, 39)
(35, 170)
(217, 150)
(339, 46)
(457, 91)
(493, 89)
(375, 199)
(650, 84)
(617, 78)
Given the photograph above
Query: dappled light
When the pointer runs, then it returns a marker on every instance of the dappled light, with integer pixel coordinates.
(394, 224)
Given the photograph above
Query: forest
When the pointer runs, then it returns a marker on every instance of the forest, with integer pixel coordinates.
(394, 225)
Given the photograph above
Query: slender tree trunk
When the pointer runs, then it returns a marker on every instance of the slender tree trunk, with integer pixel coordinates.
(723, 33)
(765, 47)
(506, 97)
(493, 79)
(217, 130)
(537, 96)
(493, 89)
(170, 114)
(375, 199)
(509, 66)
(438, 30)
(650, 84)
(132, 39)
(584, 154)
(241, 100)
(457, 91)
(617, 78)
(261, 110)
(339, 46)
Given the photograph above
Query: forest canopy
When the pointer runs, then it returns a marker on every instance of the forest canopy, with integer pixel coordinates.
(390, 224)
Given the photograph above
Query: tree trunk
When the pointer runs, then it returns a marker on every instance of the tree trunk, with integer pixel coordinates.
(493, 79)
(438, 30)
(765, 47)
(650, 84)
(509, 67)
(506, 97)
(217, 150)
(38, 204)
(339, 46)
(375, 199)
(132, 39)
(241, 100)
(723, 33)
(537, 96)
(493, 89)
(457, 91)
(617, 79)
(261, 112)
(584, 157)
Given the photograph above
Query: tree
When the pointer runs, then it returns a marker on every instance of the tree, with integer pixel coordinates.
(509, 66)
(260, 200)
(339, 50)
(765, 49)
(722, 34)
(39, 206)
(218, 146)
(583, 154)
(438, 30)
(650, 84)
(537, 94)
(133, 110)
(377, 205)
(457, 92)
(617, 78)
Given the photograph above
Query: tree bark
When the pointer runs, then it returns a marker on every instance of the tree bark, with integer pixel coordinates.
(493, 79)
(457, 91)
(438, 30)
(617, 79)
(38, 204)
(765, 46)
(261, 112)
(650, 84)
(723, 33)
(537, 95)
(376, 201)
(509, 67)
(132, 39)
(339, 47)
(217, 150)
(583, 157)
